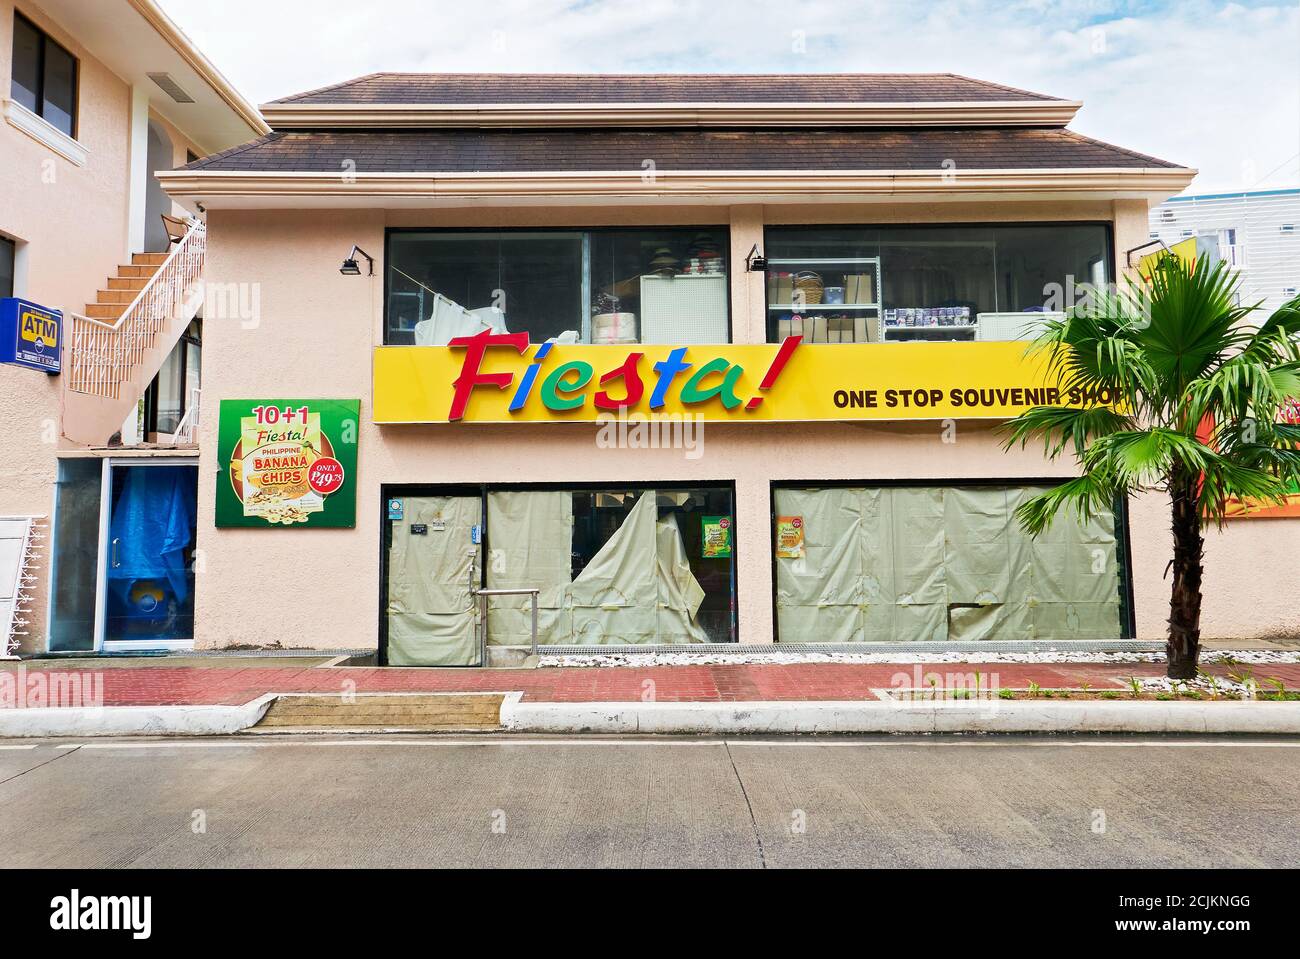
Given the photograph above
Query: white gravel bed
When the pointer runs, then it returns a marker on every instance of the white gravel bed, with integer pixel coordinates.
(612, 659)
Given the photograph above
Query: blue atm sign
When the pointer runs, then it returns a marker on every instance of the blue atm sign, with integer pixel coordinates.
(30, 335)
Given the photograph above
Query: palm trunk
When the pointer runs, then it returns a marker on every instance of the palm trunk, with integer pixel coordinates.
(1184, 644)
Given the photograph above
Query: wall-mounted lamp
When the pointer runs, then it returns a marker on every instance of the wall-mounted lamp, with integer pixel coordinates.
(350, 268)
(756, 262)
(1128, 254)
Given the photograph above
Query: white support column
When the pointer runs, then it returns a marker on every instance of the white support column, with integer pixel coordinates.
(138, 172)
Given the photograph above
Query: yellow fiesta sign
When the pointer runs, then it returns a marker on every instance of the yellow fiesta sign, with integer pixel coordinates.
(501, 378)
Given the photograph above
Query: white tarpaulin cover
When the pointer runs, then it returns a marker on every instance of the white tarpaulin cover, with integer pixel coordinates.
(638, 588)
(530, 542)
(942, 563)
(431, 613)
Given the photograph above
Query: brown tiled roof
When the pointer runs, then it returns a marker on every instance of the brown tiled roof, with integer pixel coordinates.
(534, 151)
(471, 88)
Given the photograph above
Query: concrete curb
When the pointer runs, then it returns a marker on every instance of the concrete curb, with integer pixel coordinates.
(133, 720)
(988, 716)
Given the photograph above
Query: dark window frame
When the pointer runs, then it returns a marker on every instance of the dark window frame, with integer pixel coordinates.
(481, 490)
(723, 228)
(1107, 225)
(46, 41)
(187, 342)
(9, 251)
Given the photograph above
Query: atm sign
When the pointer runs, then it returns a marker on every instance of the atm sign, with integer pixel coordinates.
(30, 335)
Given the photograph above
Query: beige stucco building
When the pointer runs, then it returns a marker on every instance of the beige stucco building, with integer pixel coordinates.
(821, 285)
(95, 97)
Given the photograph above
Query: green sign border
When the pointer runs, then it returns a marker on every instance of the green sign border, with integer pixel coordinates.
(340, 510)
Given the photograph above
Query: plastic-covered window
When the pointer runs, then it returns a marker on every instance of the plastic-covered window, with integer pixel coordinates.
(942, 564)
(613, 567)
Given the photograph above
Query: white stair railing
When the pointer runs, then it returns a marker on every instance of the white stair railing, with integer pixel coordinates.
(188, 427)
(104, 356)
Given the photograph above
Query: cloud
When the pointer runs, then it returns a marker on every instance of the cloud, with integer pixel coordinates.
(1212, 85)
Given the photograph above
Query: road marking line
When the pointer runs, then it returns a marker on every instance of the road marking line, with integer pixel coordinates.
(1017, 742)
(33, 746)
(262, 743)
(790, 743)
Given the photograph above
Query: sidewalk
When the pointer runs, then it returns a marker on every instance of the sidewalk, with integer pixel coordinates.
(151, 683)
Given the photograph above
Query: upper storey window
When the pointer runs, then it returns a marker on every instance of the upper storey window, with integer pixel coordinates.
(608, 286)
(907, 283)
(44, 77)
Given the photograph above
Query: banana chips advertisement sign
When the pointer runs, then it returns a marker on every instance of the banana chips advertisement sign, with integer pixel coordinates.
(287, 463)
(30, 335)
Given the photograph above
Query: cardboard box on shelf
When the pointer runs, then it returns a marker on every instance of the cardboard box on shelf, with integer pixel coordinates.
(859, 288)
(780, 289)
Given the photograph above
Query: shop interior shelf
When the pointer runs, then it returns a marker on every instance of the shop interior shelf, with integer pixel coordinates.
(963, 332)
(824, 261)
(791, 307)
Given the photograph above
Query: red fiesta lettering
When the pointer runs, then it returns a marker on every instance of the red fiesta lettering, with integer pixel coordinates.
(633, 388)
(475, 347)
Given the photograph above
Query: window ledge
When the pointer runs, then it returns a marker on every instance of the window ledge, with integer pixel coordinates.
(44, 132)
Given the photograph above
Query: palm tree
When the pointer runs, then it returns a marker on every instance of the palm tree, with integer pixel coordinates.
(1201, 402)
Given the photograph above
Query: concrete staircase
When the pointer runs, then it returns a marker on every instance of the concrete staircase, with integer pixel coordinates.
(383, 712)
(111, 303)
(117, 347)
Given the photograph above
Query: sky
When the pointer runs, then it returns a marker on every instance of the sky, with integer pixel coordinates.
(1208, 84)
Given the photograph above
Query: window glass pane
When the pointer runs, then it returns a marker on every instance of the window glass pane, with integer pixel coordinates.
(193, 369)
(60, 91)
(149, 580)
(6, 267)
(923, 268)
(935, 283)
(941, 564)
(680, 519)
(443, 285)
(659, 286)
(171, 404)
(76, 553)
(1036, 264)
(606, 286)
(614, 566)
(26, 65)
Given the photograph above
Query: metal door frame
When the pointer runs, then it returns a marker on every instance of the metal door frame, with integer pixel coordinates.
(103, 644)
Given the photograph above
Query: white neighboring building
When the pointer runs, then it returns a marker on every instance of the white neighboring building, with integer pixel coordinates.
(1258, 233)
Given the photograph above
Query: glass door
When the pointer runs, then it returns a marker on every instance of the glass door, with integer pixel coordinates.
(147, 557)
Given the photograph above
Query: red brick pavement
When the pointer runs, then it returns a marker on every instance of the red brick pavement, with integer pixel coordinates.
(160, 685)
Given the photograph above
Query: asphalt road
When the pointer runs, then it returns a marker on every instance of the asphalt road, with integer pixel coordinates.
(798, 802)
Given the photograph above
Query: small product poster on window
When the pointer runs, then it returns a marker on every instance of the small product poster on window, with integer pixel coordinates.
(288, 463)
(789, 537)
(715, 543)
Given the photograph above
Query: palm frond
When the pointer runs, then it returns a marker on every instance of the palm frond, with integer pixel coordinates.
(1086, 496)
(1062, 427)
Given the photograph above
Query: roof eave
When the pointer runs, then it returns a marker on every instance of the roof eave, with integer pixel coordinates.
(319, 116)
(218, 189)
(213, 77)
